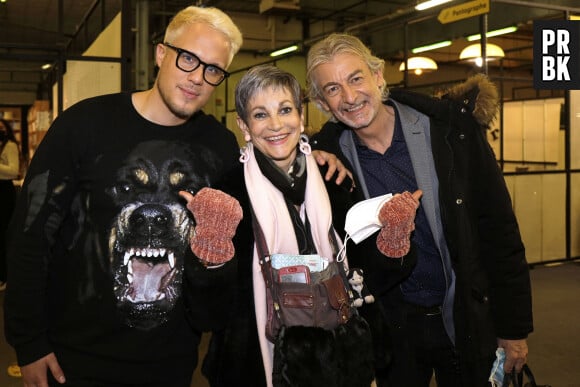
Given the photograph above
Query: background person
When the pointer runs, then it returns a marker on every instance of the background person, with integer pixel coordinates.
(464, 287)
(9, 169)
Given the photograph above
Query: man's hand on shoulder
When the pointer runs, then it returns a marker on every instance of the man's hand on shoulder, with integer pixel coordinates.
(335, 167)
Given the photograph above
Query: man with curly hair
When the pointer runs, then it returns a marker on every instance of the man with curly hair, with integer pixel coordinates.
(462, 289)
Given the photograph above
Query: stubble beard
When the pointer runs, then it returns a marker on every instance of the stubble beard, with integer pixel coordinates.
(360, 121)
(181, 112)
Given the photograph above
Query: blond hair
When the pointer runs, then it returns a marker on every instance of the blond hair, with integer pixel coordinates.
(210, 16)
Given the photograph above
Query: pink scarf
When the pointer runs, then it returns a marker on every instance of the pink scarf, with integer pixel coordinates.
(270, 210)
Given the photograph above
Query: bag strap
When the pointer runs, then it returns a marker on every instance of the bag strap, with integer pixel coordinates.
(266, 265)
(517, 379)
(511, 379)
(528, 372)
(263, 253)
(339, 254)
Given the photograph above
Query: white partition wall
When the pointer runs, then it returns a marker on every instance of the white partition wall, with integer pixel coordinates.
(540, 207)
(84, 79)
(575, 175)
(575, 129)
(531, 130)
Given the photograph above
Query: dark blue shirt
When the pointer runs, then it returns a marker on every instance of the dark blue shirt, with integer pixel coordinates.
(392, 172)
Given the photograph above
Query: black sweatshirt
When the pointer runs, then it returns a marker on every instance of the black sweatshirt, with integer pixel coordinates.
(100, 239)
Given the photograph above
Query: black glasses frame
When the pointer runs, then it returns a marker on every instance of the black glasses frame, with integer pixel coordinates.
(181, 51)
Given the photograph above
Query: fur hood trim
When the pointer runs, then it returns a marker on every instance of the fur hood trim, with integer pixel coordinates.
(486, 104)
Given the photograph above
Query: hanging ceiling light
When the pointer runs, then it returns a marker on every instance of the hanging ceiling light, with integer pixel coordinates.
(472, 53)
(432, 46)
(419, 65)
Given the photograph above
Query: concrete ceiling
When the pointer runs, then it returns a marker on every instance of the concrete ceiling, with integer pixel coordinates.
(34, 32)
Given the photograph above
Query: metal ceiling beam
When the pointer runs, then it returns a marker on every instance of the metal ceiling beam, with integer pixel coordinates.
(535, 4)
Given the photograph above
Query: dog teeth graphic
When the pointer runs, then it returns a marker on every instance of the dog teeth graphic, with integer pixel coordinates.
(149, 238)
(130, 272)
(133, 252)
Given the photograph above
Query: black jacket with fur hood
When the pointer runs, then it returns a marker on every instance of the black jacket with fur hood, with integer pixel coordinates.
(493, 295)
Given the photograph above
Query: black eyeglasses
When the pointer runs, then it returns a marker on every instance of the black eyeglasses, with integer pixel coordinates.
(188, 62)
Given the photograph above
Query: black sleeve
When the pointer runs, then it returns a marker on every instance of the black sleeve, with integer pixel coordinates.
(234, 330)
(326, 138)
(501, 248)
(214, 296)
(43, 203)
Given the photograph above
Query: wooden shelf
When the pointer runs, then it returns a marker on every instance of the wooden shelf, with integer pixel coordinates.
(39, 120)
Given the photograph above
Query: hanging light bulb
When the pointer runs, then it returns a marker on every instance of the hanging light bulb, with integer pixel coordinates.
(472, 53)
(419, 65)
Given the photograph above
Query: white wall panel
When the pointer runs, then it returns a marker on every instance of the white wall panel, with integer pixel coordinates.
(533, 130)
(527, 201)
(575, 129)
(575, 216)
(513, 123)
(553, 232)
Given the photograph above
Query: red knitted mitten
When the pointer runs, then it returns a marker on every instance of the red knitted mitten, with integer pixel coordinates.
(217, 215)
(398, 219)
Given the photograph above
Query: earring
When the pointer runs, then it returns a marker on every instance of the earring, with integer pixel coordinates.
(245, 153)
(304, 145)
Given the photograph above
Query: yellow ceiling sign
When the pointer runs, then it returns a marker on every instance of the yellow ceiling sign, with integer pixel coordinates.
(463, 11)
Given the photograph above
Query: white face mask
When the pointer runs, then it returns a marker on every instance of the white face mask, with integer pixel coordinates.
(362, 220)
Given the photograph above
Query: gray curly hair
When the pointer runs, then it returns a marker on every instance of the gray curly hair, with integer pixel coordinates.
(334, 44)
